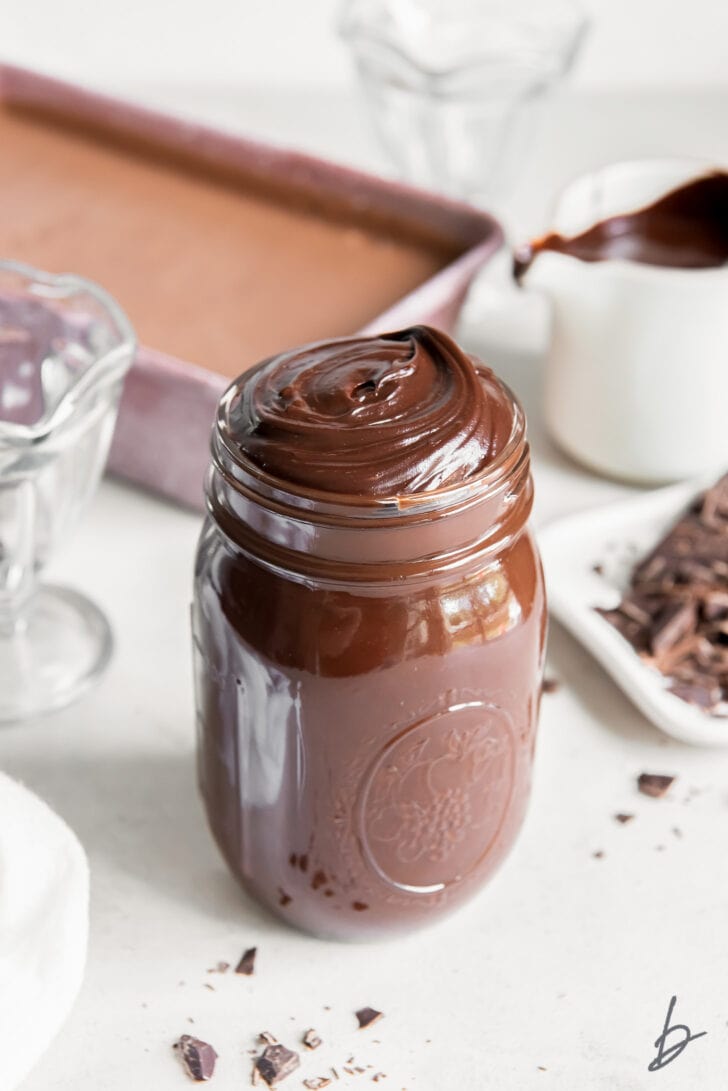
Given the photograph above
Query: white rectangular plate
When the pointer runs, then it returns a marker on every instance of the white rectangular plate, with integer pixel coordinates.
(614, 538)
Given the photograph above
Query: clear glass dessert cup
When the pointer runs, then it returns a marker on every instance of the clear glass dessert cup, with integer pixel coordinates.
(65, 347)
(456, 87)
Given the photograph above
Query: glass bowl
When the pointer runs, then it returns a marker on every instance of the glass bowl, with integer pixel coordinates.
(65, 347)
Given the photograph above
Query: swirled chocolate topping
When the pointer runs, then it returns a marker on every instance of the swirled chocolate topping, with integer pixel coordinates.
(373, 416)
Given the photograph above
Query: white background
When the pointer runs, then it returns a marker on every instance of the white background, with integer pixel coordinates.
(289, 42)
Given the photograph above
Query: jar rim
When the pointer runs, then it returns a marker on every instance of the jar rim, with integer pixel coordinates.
(245, 475)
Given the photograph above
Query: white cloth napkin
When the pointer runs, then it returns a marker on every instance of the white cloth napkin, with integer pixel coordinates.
(43, 927)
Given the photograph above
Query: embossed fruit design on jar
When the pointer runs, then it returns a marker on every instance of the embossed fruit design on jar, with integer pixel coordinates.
(368, 627)
(436, 800)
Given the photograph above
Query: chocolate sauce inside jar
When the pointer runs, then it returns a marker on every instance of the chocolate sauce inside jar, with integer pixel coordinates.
(368, 626)
(685, 229)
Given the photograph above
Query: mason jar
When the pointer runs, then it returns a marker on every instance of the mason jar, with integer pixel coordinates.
(368, 676)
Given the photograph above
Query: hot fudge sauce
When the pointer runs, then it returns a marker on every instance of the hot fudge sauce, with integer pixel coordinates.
(368, 627)
(685, 229)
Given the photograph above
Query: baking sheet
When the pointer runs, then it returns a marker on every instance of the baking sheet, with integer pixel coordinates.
(222, 251)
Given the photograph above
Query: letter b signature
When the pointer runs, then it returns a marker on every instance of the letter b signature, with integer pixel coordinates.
(681, 1036)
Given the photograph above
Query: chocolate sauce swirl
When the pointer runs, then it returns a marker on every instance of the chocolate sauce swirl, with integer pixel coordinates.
(373, 416)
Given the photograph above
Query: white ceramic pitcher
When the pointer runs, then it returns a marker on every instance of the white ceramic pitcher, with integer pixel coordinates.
(637, 373)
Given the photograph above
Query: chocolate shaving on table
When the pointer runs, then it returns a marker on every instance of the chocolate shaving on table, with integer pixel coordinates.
(247, 962)
(654, 784)
(623, 818)
(315, 1083)
(219, 968)
(276, 1063)
(311, 1039)
(367, 1016)
(268, 1038)
(198, 1057)
(675, 612)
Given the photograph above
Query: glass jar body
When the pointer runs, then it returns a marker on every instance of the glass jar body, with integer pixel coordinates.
(365, 748)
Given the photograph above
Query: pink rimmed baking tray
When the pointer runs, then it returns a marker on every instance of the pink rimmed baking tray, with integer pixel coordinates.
(221, 250)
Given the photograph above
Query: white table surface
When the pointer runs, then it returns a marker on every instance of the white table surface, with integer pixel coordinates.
(559, 974)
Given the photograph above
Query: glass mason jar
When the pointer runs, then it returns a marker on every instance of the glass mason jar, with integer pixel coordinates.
(368, 678)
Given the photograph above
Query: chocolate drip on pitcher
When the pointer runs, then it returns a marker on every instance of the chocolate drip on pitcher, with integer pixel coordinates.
(685, 229)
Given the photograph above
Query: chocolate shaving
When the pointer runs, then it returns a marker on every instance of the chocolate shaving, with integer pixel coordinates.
(623, 818)
(675, 612)
(310, 1039)
(715, 504)
(550, 685)
(219, 968)
(674, 621)
(198, 1057)
(276, 1063)
(654, 784)
(247, 962)
(268, 1038)
(704, 693)
(368, 1016)
(635, 612)
(315, 1083)
(715, 605)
